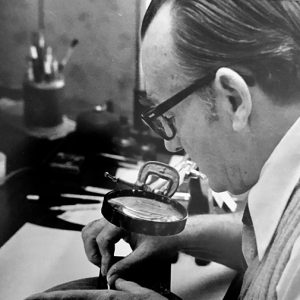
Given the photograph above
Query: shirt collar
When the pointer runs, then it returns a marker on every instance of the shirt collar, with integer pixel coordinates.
(269, 196)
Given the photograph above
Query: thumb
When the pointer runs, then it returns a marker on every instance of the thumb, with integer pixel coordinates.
(124, 264)
(130, 287)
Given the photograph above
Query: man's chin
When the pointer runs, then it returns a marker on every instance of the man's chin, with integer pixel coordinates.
(217, 187)
(218, 190)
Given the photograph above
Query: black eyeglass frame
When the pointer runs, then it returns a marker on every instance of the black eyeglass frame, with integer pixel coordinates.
(153, 113)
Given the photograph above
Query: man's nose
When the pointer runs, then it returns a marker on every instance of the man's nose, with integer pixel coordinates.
(173, 145)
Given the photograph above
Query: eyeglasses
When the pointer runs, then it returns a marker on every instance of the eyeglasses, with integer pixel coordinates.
(164, 126)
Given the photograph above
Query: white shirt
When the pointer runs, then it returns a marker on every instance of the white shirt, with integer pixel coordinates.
(269, 197)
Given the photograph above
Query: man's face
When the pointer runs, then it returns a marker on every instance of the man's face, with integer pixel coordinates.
(196, 133)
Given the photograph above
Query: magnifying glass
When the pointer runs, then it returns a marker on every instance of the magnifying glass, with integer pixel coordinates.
(147, 207)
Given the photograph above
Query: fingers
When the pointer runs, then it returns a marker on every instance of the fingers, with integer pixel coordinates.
(111, 279)
(105, 242)
(89, 234)
(82, 295)
(99, 238)
(140, 292)
(129, 286)
(124, 264)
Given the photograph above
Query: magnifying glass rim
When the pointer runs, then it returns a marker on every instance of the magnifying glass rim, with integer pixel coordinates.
(139, 225)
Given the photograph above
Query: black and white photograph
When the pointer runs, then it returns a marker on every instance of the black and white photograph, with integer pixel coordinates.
(150, 150)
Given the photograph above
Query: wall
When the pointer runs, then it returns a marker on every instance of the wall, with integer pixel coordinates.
(103, 64)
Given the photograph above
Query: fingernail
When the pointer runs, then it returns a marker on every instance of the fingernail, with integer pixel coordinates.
(111, 279)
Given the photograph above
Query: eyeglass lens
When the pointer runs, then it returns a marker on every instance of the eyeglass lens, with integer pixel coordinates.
(163, 127)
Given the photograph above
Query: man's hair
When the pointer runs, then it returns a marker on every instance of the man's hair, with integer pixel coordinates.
(261, 36)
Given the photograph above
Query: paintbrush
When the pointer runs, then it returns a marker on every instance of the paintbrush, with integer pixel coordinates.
(68, 55)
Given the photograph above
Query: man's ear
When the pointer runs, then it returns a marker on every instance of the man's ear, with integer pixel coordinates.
(233, 88)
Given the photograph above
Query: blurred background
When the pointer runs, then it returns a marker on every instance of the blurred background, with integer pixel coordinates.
(101, 76)
(102, 67)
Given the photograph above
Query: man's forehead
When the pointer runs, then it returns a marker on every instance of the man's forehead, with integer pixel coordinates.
(158, 43)
(158, 60)
(161, 25)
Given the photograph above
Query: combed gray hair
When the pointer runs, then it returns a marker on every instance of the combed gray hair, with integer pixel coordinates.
(261, 36)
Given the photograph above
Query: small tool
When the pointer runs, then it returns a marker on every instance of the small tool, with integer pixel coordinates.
(68, 55)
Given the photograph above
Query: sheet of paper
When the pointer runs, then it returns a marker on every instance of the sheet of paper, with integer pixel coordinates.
(37, 258)
(175, 159)
(83, 217)
(128, 175)
(226, 198)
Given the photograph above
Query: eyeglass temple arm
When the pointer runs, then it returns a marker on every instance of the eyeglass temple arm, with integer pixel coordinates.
(165, 106)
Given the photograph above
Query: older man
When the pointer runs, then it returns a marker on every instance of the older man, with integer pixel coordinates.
(233, 67)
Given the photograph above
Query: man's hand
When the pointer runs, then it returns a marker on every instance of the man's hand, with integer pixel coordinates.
(125, 290)
(100, 237)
